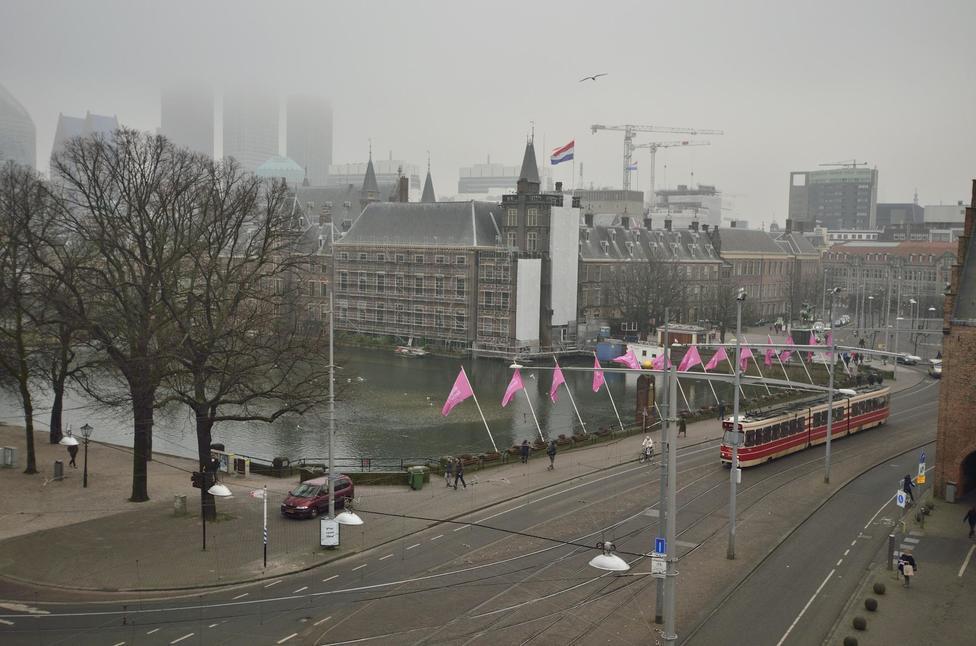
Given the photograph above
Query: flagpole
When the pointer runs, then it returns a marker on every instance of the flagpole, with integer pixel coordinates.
(714, 394)
(480, 412)
(682, 391)
(610, 395)
(785, 374)
(537, 427)
(756, 361)
(571, 399)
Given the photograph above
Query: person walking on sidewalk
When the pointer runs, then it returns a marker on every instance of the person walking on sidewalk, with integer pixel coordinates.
(907, 485)
(551, 452)
(524, 451)
(970, 518)
(449, 471)
(721, 411)
(682, 427)
(907, 566)
(459, 474)
(73, 453)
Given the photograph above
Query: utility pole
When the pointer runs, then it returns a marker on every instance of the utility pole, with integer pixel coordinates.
(830, 385)
(662, 513)
(331, 403)
(734, 470)
(670, 579)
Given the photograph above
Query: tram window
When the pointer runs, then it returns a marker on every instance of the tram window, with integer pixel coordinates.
(774, 435)
(767, 434)
(857, 408)
(817, 419)
(750, 438)
(839, 413)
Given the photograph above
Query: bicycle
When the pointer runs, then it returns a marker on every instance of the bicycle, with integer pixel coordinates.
(646, 454)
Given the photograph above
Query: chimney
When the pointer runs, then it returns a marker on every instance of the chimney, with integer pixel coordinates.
(559, 187)
(625, 221)
(789, 225)
(694, 225)
(705, 228)
(647, 223)
(667, 224)
(403, 190)
(588, 219)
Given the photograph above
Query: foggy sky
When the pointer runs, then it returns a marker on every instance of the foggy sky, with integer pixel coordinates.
(792, 85)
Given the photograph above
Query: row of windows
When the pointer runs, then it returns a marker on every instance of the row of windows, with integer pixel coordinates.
(596, 273)
(493, 327)
(531, 217)
(531, 240)
(438, 320)
(400, 258)
(780, 430)
(381, 283)
(495, 272)
(489, 298)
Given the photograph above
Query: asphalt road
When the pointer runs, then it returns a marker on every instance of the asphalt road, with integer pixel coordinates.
(519, 572)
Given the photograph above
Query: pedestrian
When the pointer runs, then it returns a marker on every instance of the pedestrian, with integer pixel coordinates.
(907, 566)
(449, 471)
(524, 451)
(73, 453)
(682, 427)
(907, 485)
(459, 474)
(970, 518)
(721, 411)
(551, 452)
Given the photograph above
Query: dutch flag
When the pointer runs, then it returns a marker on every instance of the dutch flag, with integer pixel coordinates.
(562, 154)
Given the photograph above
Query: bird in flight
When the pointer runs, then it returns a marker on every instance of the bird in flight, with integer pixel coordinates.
(592, 78)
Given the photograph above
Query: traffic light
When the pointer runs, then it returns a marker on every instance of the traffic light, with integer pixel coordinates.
(196, 478)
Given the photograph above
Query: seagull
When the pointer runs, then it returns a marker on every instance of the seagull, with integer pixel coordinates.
(593, 78)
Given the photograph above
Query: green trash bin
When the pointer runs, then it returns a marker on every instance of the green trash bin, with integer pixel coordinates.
(416, 477)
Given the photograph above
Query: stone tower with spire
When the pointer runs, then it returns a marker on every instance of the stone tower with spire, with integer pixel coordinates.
(371, 190)
(428, 194)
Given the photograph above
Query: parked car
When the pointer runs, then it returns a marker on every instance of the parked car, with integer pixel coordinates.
(311, 498)
(935, 370)
(761, 322)
(908, 359)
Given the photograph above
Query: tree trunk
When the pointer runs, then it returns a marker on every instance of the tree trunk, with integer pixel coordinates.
(56, 408)
(205, 424)
(142, 412)
(28, 424)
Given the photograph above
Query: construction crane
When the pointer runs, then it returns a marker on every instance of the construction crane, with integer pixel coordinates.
(847, 163)
(630, 129)
(653, 146)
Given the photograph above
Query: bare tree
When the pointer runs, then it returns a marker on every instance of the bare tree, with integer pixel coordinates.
(129, 199)
(640, 291)
(240, 352)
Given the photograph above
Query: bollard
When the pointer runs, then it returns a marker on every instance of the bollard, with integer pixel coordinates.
(891, 551)
(179, 505)
(58, 470)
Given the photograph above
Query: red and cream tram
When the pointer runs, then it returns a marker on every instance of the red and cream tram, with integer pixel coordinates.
(780, 430)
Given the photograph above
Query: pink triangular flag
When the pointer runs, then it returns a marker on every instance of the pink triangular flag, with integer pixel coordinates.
(658, 362)
(461, 391)
(786, 354)
(770, 353)
(514, 386)
(691, 358)
(557, 380)
(718, 357)
(629, 360)
(744, 355)
(597, 375)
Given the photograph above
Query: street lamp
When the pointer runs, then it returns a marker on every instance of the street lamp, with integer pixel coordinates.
(830, 385)
(86, 432)
(221, 491)
(897, 327)
(734, 467)
(870, 311)
(607, 560)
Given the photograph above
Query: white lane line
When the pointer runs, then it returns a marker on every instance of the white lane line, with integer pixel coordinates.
(502, 512)
(909, 539)
(854, 542)
(177, 641)
(806, 607)
(965, 563)
(301, 589)
(334, 576)
(877, 513)
(274, 583)
(413, 546)
(240, 596)
(6, 623)
(154, 630)
(457, 529)
(388, 556)
(284, 639)
(904, 547)
(847, 551)
(438, 536)
(119, 644)
(359, 567)
(214, 625)
(322, 621)
(839, 562)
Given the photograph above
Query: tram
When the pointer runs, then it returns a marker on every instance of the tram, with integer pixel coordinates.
(773, 432)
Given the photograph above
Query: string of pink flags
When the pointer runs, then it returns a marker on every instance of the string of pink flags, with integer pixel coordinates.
(779, 353)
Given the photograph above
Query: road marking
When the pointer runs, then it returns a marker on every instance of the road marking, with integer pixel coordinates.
(214, 625)
(6, 623)
(966, 562)
(322, 621)
(438, 536)
(383, 558)
(284, 639)
(839, 562)
(240, 596)
(330, 578)
(119, 644)
(909, 539)
(877, 513)
(854, 542)
(915, 532)
(274, 583)
(359, 567)
(301, 589)
(154, 630)
(177, 641)
(413, 546)
(905, 548)
(457, 529)
(847, 551)
(799, 616)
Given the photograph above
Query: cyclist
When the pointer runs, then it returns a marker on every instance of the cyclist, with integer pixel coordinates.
(647, 447)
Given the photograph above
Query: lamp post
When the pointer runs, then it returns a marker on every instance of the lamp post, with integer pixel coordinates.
(734, 467)
(86, 432)
(219, 490)
(870, 311)
(897, 327)
(830, 385)
(347, 517)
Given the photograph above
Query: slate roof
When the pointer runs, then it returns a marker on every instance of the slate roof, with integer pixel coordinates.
(905, 248)
(428, 195)
(315, 238)
(796, 244)
(441, 224)
(656, 244)
(530, 170)
(747, 241)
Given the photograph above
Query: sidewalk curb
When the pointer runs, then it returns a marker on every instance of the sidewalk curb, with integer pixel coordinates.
(338, 556)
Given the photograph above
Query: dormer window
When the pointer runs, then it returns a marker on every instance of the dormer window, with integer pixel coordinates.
(630, 248)
(605, 246)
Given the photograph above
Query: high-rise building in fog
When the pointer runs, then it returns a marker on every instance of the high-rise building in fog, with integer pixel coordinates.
(309, 124)
(18, 138)
(187, 116)
(842, 198)
(90, 124)
(250, 126)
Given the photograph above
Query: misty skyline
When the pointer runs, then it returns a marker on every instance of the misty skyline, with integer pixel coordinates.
(791, 86)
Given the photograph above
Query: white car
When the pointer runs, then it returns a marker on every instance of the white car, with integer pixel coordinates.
(908, 359)
(935, 370)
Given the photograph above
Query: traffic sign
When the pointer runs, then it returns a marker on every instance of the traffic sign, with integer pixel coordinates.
(660, 546)
(921, 458)
(920, 479)
(900, 498)
(659, 567)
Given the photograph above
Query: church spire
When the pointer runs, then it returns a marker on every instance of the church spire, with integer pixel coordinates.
(428, 194)
(528, 181)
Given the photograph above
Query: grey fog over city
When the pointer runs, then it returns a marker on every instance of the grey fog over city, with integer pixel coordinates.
(438, 322)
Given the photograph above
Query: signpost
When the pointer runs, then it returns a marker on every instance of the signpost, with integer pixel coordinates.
(900, 498)
(920, 479)
(328, 532)
(660, 546)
